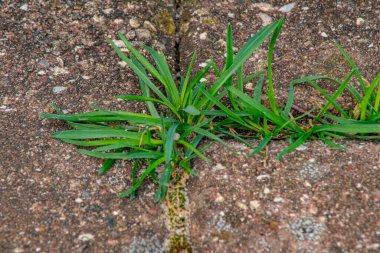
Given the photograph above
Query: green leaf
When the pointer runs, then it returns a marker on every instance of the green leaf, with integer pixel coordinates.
(294, 145)
(146, 172)
(241, 57)
(169, 143)
(190, 109)
(107, 165)
(122, 155)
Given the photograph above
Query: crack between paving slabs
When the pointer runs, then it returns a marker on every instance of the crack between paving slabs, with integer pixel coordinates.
(177, 212)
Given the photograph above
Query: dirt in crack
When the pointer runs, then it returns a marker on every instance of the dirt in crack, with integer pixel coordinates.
(177, 39)
(178, 216)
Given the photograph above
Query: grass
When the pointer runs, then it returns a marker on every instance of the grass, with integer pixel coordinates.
(162, 143)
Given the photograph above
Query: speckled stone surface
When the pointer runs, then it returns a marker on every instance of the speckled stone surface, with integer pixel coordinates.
(52, 199)
(305, 45)
(316, 199)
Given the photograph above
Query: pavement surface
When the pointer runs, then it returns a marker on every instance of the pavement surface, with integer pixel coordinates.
(316, 199)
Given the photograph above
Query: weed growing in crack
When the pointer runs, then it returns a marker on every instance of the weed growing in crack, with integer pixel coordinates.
(193, 111)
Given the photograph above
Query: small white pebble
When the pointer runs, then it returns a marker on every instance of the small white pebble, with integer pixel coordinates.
(203, 64)
(58, 89)
(301, 148)
(86, 237)
(262, 177)
(265, 18)
(78, 200)
(287, 8)
(254, 204)
(360, 21)
(219, 198)
(203, 36)
(370, 45)
(231, 15)
(249, 86)
(122, 63)
(323, 34)
(24, 7)
(266, 190)
(218, 166)
(278, 200)
(242, 205)
(203, 80)
(134, 23)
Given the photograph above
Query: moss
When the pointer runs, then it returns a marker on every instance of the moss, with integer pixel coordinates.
(209, 20)
(335, 65)
(164, 20)
(179, 243)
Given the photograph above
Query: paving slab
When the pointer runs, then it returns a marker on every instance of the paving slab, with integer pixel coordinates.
(304, 47)
(52, 199)
(316, 199)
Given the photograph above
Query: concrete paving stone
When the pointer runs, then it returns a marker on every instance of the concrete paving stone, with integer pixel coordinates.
(300, 50)
(316, 199)
(52, 199)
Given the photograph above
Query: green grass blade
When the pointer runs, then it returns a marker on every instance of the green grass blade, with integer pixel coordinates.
(146, 172)
(169, 143)
(122, 155)
(352, 64)
(187, 78)
(261, 145)
(106, 166)
(96, 133)
(164, 70)
(257, 106)
(367, 96)
(149, 67)
(241, 57)
(270, 91)
(104, 142)
(294, 145)
(339, 91)
(145, 89)
(193, 149)
(349, 128)
(133, 176)
(331, 143)
(141, 74)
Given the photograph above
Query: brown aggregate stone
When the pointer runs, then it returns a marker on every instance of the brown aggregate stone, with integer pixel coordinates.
(301, 50)
(316, 199)
(52, 199)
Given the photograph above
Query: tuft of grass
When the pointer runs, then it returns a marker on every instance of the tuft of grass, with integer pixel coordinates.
(276, 122)
(160, 142)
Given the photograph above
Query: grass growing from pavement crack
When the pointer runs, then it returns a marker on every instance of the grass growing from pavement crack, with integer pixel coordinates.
(164, 142)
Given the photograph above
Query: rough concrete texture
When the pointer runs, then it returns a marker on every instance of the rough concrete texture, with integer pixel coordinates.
(304, 47)
(52, 199)
(316, 199)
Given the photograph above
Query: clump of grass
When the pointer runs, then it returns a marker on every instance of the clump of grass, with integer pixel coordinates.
(276, 122)
(193, 111)
(168, 139)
